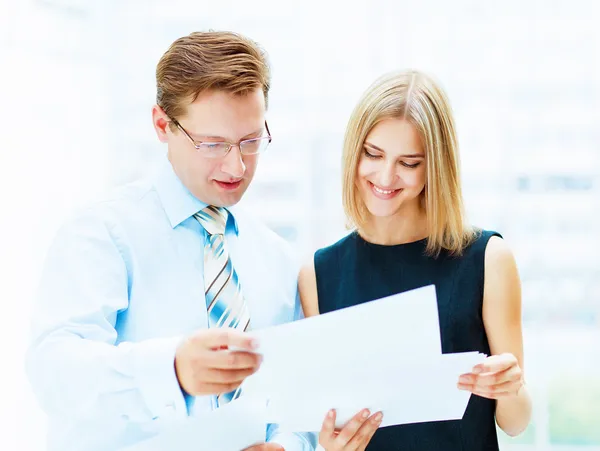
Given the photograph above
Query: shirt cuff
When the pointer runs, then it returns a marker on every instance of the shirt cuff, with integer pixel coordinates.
(292, 441)
(153, 363)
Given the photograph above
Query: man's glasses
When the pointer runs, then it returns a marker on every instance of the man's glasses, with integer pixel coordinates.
(220, 149)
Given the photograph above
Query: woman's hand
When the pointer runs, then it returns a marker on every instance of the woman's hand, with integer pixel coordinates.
(498, 376)
(354, 436)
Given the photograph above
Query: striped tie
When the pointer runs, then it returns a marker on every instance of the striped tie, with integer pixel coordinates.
(224, 299)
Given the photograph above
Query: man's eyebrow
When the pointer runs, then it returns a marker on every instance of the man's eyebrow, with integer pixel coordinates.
(257, 132)
(201, 136)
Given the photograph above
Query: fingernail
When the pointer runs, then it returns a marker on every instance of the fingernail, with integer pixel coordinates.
(365, 414)
(330, 414)
(477, 370)
(464, 379)
(253, 343)
(379, 417)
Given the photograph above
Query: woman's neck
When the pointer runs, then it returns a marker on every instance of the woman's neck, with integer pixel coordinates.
(401, 228)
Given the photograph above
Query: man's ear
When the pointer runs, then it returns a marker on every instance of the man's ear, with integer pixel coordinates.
(160, 120)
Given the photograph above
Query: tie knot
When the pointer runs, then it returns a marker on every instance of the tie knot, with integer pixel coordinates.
(213, 219)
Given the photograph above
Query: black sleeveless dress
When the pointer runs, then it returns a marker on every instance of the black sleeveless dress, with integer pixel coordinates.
(353, 271)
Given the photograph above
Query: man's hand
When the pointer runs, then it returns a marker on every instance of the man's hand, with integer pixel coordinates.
(265, 447)
(205, 365)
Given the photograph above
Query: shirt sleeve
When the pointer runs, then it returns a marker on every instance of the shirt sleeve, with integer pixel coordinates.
(75, 364)
(291, 441)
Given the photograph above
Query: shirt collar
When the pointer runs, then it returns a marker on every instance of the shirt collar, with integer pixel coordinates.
(179, 203)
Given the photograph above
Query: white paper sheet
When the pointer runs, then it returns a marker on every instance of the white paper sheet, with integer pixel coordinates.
(403, 326)
(232, 427)
(383, 355)
(425, 391)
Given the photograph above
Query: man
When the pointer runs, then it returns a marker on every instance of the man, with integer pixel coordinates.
(142, 294)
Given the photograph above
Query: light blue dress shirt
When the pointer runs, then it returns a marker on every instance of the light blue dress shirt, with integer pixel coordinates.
(122, 284)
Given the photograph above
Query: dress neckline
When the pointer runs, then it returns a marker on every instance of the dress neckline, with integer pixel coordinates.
(409, 245)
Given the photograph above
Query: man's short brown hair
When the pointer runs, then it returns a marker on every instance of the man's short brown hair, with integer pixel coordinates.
(204, 61)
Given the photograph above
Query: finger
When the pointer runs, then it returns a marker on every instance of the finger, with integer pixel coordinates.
(487, 379)
(493, 392)
(378, 418)
(512, 374)
(328, 428)
(218, 376)
(495, 364)
(265, 447)
(492, 395)
(254, 447)
(366, 431)
(216, 338)
(348, 431)
(231, 360)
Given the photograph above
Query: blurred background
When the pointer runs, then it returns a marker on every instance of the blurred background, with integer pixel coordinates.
(77, 83)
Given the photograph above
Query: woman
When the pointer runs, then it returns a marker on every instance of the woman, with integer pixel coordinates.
(402, 194)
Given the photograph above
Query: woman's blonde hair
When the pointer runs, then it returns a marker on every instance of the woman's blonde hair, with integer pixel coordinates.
(417, 98)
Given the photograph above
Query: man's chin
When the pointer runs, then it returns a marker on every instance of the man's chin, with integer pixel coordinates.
(229, 199)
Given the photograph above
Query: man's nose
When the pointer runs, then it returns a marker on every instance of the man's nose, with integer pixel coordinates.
(233, 164)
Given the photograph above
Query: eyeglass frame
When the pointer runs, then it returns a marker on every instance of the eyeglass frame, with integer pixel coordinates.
(197, 144)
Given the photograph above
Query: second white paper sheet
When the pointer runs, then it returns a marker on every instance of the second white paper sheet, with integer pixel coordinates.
(212, 430)
(382, 355)
(423, 391)
(403, 326)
